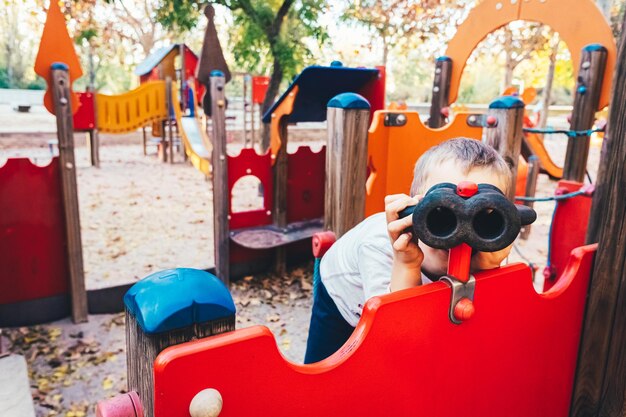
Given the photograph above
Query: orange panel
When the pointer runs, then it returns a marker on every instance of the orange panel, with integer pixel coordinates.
(284, 109)
(57, 46)
(393, 151)
(578, 27)
(535, 143)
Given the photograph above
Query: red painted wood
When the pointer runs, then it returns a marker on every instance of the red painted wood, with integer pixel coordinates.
(374, 92)
(260, 84)
(32, 233)
(569, 228)
(248, 162)
(191, 63)
(85, 116)
(405, 357)
(306, 172)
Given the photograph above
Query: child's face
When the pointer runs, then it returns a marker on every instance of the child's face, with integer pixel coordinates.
(436, 260)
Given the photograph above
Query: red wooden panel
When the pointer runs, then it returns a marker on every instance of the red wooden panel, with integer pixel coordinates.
(568, 229)
(259, 88)
(374, 91)
(248, 162)
(306, 172)
(405, 358)
(85, 116)
(191, 62)
(32, 235)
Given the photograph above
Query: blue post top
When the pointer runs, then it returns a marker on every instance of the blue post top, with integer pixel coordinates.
(59, 66)
(349, 101)
(177, 298)
(594, 47)
(506, 102)
(336, 64)
(443, 58)
(216, 73)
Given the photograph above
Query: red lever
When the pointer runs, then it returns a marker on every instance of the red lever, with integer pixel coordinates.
(459, 261)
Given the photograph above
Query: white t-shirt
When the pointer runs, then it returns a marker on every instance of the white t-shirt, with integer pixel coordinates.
(358, 267)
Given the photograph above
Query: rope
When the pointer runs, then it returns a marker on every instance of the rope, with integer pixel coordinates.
(569, 133)
(554, 197)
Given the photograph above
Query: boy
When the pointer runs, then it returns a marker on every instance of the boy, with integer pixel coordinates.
(377, 256)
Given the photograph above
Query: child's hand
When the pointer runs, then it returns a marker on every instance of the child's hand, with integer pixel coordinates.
(407, 255)
(489, 260)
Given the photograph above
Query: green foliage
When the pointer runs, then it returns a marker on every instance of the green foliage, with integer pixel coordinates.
(179, 15)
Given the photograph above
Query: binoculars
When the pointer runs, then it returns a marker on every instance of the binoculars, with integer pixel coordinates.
(483, 218)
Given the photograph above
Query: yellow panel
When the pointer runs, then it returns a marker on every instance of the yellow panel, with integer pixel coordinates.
(129, 111)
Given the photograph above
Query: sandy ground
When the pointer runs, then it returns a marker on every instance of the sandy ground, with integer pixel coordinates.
(138, 216)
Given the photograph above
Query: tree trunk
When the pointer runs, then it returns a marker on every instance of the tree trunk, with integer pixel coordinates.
(509, 63)
(547, 92)
(272, 92)
(385, 50)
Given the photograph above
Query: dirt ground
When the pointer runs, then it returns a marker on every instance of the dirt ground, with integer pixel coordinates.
(138, 216)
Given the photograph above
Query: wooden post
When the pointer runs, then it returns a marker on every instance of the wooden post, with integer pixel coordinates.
(94, 147)
(245, 111)
(600, 387)
(168, 98)
(219, 163)
(280, 192)
(531, 186)
(164, 309)
(441, 91)
(588, 88)
(145, 140)
(506, 135)
(346, 162)
(65, 134)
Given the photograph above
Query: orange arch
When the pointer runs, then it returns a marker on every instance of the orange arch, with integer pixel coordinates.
(578, 25)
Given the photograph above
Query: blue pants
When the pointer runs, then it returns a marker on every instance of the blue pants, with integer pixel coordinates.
(328, 330)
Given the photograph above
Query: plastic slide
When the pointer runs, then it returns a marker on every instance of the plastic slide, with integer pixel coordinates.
(535, 143)
(196, 142)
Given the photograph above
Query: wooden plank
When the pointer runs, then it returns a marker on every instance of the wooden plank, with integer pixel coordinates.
(346, 162)
(169, 121)
(280, 192)
(219, 163)
(65, 134)
(94, 147)
(441, 91)
(531, 186)
(15, 398)
(588, 90)
(600, 387)
(506, 136)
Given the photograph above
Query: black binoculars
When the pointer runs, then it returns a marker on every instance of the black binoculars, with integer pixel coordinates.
(487, 221)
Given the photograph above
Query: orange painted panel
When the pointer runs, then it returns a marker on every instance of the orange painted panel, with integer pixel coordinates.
(57, 46)
(393, 151)
(284, 109)
(405, 358)
(578, 27)
(535, 143)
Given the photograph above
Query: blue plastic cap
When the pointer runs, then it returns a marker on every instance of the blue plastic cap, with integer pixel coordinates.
(178, 298)
(59, 66)
(336, 64)
(443, 58)
(507, 102)
(349, 101)
(594, 47)
(216, 73)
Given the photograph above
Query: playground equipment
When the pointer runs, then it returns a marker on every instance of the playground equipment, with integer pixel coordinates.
(293, 184)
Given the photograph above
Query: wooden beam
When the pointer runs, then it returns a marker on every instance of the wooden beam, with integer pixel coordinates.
(280, 192)
(219, 164)
(506, 135)
(346, 162)
(531, 186)
(441, 91)
(588, 90)
(600, 387)
(65, 134)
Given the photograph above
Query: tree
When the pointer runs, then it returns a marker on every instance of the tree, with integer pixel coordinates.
(277, 27)
(395, 22)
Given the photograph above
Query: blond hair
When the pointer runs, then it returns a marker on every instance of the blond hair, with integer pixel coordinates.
(467, 154)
